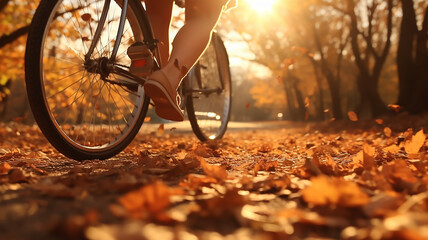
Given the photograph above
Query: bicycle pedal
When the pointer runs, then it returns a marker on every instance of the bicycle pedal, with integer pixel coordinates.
(142, 61)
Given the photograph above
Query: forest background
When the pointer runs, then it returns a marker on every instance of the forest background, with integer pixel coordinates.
(301, 60)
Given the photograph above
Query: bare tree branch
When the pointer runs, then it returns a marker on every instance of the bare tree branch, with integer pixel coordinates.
(3, 4)
(9, 38)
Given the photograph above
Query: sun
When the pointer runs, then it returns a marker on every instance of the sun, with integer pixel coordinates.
(261, 6)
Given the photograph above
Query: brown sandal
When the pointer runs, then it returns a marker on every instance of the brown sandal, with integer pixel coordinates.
(164, 96)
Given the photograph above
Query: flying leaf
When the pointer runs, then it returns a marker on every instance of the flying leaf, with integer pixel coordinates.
(161, 130)
(288, 62)
(387, 131)
(379, 121)
(352, 116)
(247, 105)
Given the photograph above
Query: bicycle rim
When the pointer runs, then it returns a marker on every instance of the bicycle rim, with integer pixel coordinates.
(84, 113)
(209, 97)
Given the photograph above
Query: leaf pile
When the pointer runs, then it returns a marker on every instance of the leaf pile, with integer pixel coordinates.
(350, 181)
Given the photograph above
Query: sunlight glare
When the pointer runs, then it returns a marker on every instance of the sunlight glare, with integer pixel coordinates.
(262, 6)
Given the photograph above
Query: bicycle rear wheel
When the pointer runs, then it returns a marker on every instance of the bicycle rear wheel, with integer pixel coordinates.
(85, 109)
(209, 96)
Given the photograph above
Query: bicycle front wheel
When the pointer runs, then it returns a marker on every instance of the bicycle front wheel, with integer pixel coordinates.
(209, 95)
(84, 108)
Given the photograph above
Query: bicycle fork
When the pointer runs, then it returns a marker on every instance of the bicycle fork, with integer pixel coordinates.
(100, 27)
(104, 66)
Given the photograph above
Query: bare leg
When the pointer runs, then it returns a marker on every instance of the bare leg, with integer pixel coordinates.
(160, 13)
(189, 44)
(193, 38)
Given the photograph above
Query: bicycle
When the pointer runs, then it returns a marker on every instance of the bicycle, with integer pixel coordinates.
(81, 92)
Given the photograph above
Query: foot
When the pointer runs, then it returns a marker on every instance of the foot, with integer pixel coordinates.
(164, 96)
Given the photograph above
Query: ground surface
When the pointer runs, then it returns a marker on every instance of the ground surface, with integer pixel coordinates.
(349, 180)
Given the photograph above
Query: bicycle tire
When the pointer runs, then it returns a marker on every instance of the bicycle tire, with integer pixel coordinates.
(61, 112)
(209, 92)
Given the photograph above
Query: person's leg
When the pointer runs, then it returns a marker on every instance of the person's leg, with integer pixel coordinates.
(160, 13)
(193, 38)
(188, 45)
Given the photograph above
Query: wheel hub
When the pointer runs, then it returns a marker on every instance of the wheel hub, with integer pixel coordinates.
(98, 66)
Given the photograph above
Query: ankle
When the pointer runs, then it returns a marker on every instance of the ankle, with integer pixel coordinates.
(173, 74)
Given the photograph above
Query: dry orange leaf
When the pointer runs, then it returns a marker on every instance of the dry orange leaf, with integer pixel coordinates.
(288, 62)
(161, 129)
(152, 198)
(368, 157)
(392, 149)
(414, 145)
(214, 171)
(334, 191)
(247, 105)
(352, 116)
(387, 131)
(379, 121)
(4, 168)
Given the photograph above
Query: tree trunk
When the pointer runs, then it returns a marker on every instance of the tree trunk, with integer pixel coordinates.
(320, 96)
(405, 54)
(370, 73)
(419, 102)
(292, 111)
(412, 60)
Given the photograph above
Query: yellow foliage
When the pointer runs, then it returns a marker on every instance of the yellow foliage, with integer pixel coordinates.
(17, 14)
(268, 93)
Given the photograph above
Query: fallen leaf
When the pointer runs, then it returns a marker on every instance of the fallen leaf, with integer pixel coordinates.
(400, 176)
(326, 190)
(368, 157)
(58, 190)
(4, 168)
(392, 149)
(414, 145)
(383, 204)
(17, 175)
(151, 199)
(217, 172)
